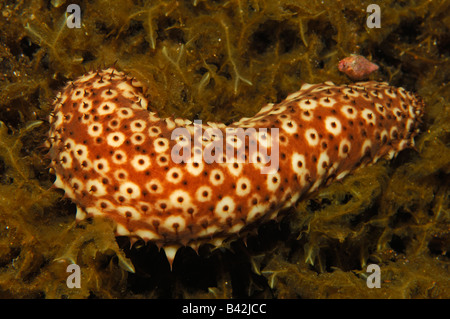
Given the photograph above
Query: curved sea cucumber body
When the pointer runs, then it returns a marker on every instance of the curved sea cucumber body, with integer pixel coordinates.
(177, 182)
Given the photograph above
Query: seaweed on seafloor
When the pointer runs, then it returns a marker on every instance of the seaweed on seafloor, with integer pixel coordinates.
(221, 60)
(36, 246)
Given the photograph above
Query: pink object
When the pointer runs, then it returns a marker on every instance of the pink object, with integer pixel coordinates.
(357, 67)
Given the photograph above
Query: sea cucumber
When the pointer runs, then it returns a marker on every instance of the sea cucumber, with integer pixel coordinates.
(114, 158)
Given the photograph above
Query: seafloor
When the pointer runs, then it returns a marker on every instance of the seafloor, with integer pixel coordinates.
(221, 60)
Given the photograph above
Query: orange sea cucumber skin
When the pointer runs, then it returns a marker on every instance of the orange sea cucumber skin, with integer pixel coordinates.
(112, 156)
